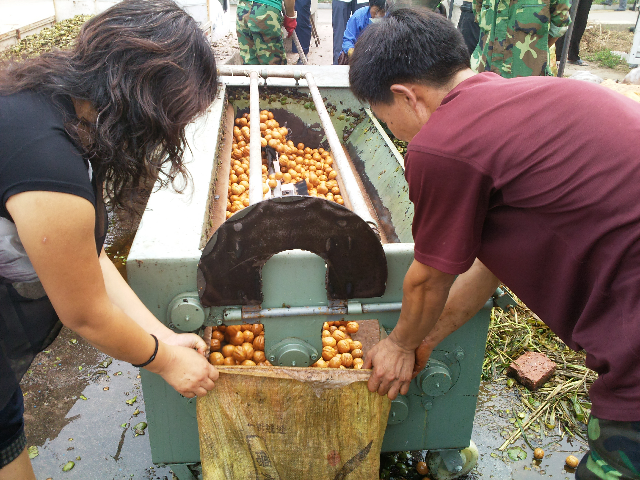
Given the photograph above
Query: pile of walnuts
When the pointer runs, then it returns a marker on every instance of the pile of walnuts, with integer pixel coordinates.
(296, 163)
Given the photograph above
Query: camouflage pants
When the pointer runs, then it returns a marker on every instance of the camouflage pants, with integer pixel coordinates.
(614, 451)
(259, 29)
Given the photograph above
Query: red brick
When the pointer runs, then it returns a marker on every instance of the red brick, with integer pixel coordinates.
(532, 370)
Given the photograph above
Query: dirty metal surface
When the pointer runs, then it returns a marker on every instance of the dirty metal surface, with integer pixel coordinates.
(310, 134)
(368, 334)
(229, 271)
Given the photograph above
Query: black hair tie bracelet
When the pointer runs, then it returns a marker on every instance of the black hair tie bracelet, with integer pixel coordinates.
(152, 357)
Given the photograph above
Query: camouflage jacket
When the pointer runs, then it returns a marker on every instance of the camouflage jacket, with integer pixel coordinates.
(514, 35)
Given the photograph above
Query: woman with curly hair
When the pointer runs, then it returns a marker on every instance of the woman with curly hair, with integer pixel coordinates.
(111, 112)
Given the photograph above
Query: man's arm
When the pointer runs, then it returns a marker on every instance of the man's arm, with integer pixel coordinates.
(350, 35)
(477, 8)
(467, 296)
(559, 19)
(290, 8)
(424, 293)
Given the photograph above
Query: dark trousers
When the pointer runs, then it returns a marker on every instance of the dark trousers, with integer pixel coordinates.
(468, 27)
(340, 13)
(12, 438)
(303, 30)
(614, 451)
(579, 25)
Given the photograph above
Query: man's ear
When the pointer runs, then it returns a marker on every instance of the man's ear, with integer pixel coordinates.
(404, 94)
(415, 98)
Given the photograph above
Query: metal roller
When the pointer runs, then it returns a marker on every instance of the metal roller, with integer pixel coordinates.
(349, 181)
(255, 155)
(351, 187)
(294, 262)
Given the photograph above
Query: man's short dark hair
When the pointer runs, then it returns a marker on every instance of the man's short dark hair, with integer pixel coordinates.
(408, 45)
(378, 3)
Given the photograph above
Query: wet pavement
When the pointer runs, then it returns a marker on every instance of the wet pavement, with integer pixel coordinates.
(81, 408)
(494, 422)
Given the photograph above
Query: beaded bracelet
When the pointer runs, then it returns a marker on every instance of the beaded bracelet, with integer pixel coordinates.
(152, 357)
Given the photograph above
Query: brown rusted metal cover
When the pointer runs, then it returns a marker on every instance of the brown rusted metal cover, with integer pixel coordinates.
(229, 271)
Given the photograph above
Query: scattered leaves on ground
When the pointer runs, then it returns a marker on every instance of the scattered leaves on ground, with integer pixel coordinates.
(61, 35)
(561, 406)
(33, 451)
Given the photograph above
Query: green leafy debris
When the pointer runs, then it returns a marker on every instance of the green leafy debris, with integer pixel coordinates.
(61, 35)
(106, 363)
(560, 405)
(139, 428)
(517, 453)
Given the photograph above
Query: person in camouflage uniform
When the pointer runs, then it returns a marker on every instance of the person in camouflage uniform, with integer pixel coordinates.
(259, 26)
(615, 451)
(515, 35)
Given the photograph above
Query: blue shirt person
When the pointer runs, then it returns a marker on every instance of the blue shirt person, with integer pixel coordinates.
(360, 20)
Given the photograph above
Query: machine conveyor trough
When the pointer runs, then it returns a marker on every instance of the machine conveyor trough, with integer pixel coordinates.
(293, 263)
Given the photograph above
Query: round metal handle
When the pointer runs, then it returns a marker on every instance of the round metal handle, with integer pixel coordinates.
(399, 410)
(292, 352)
(186, 313)
(435, 380)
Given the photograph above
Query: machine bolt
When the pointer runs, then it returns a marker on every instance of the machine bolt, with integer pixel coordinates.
(272, 358)
(427, 405)
(459, 354)
(314, 356)
(458, 468)
(186, 318)
(293, 363)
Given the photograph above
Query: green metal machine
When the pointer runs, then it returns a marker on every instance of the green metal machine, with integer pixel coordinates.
(179, 257)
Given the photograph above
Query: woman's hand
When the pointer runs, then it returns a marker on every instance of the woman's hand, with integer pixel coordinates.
(186, 370)
(392, 368)
(189, 340)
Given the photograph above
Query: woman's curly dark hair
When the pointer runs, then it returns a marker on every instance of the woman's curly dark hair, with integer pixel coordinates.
(148, 70)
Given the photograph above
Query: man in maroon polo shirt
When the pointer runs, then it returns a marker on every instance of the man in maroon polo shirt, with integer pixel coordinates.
(502, 194)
